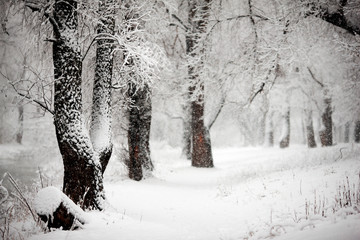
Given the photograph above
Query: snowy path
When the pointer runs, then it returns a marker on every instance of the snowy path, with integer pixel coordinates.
(249, 192)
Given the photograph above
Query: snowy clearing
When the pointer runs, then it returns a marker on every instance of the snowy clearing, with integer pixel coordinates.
(252, 193)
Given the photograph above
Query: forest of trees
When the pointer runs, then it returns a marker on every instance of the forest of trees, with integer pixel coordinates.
(106, 70)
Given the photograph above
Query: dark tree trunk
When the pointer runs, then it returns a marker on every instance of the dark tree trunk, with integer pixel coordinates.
(201, 151)
(139, 132)
(20, 131)
(83, 181)
(310, 135)
(201, 154)
(357, 132)
(271, 138)
(285, 140)
(326, 137)
(347, 133)
(100, 128)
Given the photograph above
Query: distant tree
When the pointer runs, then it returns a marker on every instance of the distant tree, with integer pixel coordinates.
(285, 135)
(357, 132)
(310, 134)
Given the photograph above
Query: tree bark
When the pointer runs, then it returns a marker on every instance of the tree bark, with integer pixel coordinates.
(100, 127)
(83, 181)
(139, 132)
(326, 136)
(201, 154)
(357, 132)
(285, 139)
(310, 135)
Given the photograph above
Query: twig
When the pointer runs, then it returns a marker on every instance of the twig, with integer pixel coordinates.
(341, 154)
(41, 180)
(17, 188)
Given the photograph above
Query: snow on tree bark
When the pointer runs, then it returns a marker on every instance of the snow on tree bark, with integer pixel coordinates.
(82, 170)
(198, 17)
(100, 128)
(186, 149)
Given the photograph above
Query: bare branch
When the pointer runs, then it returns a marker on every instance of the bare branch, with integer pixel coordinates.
(41, 104)
(314, 78)
(213, 120)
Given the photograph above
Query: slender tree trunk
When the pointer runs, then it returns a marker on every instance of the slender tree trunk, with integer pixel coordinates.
(201, 144)
(357, 132)
(310, 135)
(139, 132)
(347, 133)
(83, 181)
(100, 127)
(20, 131)
(285, 138)
(326, 136)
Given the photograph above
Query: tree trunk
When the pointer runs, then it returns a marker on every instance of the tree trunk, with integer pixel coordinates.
(310, 135)
(201, 154)
(83, 181)
(357, 132)
(285, 138)
(100, 127)
(347, 133)
(326, 137)
(201, 151)
(139, 132)
(20, 131)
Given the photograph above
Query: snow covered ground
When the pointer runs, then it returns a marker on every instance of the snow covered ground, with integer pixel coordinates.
(252, 193)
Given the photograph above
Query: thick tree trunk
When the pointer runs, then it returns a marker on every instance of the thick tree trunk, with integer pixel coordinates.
(201, 154)
(326, 136)
(139, 132)
(100, 128)
(357, 132)
(310, 135)
(285, 136)
(201, 151)
(82, 170)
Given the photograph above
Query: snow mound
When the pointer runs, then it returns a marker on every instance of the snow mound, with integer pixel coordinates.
(49, 199)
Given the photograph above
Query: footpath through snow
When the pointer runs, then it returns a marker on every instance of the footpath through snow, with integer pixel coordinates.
(252, 193)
